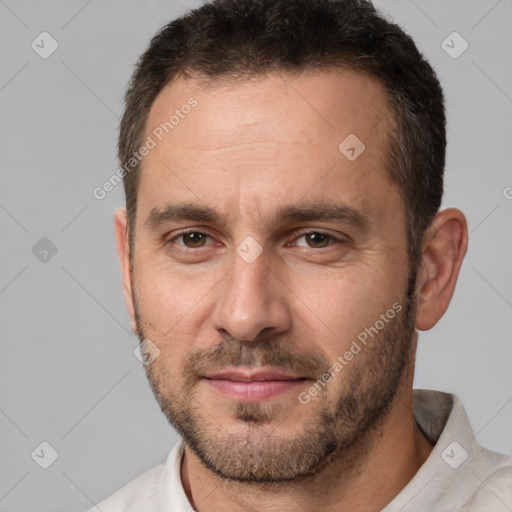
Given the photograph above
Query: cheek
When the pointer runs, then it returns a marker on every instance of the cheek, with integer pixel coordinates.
(170, 303)
(339, 307)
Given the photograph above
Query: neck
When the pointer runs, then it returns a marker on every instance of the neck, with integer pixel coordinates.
(360, 479)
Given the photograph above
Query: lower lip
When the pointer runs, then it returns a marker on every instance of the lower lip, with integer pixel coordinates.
(253, 391)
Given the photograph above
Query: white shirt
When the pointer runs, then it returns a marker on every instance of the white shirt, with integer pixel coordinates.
(458, 475)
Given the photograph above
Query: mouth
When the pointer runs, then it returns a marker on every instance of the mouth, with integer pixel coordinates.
(252, 386)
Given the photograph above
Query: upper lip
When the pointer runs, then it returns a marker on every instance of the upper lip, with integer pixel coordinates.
(251, 376)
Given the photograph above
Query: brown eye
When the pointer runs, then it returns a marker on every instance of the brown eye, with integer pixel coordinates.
(317, 240)
(193, 239)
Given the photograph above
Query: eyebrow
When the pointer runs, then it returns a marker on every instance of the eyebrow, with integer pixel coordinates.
(303, 212)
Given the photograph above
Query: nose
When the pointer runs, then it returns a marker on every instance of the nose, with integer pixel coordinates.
(251, 299)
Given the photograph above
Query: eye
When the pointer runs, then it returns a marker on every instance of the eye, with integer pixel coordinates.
(317, 239)
(312, 239)
(191, 239)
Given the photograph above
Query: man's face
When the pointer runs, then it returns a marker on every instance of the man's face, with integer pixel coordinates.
(295, 248)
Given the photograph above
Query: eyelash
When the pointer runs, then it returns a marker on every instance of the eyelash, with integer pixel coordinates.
(296, 235)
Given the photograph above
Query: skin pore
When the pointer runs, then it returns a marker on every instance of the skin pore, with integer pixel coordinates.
(256, 166)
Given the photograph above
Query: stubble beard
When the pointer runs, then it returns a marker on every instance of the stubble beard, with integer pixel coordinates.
(255, 451)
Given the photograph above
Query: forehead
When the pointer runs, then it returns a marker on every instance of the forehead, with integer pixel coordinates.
(328, 102)
(316, 133)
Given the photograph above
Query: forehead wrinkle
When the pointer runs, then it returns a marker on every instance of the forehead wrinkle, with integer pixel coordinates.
(251, 145)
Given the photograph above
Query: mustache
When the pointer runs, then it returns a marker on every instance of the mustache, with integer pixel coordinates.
(268, 352)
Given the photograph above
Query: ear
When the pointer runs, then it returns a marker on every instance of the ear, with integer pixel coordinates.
(123, 253)
(444, 247)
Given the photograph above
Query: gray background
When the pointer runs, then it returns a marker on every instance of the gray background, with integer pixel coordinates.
(68, 375)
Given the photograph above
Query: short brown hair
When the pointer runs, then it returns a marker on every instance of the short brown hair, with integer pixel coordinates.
(236, 39)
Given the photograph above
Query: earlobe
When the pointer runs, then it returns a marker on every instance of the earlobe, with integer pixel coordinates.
(123, 254)
(445, 244)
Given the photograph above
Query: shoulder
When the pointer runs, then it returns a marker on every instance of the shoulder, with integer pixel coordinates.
(139, 494)
(494, 492)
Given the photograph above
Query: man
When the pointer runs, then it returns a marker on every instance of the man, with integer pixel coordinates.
(281, 246)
